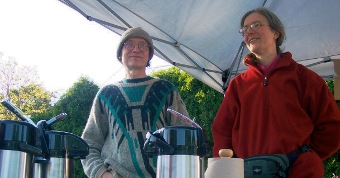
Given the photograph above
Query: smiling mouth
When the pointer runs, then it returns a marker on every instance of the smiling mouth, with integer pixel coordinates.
(252, 40)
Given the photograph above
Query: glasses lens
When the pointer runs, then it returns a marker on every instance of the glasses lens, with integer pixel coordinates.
(130, 46)
(243, 30)
(143, 47)
(255, 25)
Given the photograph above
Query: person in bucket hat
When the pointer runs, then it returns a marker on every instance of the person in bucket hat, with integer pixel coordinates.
(135, 33)
(122, 113)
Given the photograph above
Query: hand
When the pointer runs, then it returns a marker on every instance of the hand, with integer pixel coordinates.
(225, 153)
(107, 175)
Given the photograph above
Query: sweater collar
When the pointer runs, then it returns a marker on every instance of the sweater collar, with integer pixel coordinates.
(136, 80)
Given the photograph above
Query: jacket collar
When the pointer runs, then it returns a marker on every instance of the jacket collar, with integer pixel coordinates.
(251, 60)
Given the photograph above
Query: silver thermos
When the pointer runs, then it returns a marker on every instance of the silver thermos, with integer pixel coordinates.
(17, 148)
(59, 149)
(62, 149)
(29, 150)
(179, 151)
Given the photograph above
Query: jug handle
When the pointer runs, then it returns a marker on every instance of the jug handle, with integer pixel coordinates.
(165, 147)
(30, 149)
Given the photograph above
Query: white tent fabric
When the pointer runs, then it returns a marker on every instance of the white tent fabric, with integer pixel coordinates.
(201, 37)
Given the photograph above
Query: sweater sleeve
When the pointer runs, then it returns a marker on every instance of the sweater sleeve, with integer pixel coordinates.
(224, 121)
(94, 134)
(325, 114)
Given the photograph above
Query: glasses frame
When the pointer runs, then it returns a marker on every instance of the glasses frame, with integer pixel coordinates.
(130, 46)
(254, 26)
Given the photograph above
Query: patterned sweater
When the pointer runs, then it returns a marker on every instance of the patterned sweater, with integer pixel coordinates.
(120, 117)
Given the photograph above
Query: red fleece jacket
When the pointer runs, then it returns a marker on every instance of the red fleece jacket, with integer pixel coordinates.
(277, 113)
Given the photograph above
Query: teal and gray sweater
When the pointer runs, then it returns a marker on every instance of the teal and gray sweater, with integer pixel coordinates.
(120, 117)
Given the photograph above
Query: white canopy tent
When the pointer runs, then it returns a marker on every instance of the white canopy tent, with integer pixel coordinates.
(201, 37)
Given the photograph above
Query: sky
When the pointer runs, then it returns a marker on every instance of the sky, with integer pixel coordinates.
(60, 43)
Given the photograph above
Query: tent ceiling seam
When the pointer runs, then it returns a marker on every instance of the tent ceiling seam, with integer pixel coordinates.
(70, 4)
(101, 22)
(140, 18)
(325, 60)
(330, 56)
(177, 44)
(238, 56)
(190, 59)
(114, 13)
(192, 67)
(184, 65)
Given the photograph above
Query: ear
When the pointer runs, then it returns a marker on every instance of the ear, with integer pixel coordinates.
(276, 35)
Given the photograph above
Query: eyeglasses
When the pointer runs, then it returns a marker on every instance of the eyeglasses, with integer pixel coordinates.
(141, 46)
(254, 26)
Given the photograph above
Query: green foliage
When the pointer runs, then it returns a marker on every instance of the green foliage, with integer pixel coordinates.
(332, 164)
(202, 101)
(31, 99)
(76, 103)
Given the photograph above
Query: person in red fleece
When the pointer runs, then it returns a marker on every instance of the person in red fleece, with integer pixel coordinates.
(277, 105)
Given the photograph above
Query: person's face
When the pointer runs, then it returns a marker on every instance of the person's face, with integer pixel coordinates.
(262, 40)
(135, 53)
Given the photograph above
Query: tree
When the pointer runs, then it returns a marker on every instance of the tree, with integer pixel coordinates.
(76, 103)
(31, 99)
(19, 84)
(13, 76)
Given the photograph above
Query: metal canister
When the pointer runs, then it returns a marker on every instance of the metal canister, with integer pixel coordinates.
(179, 150)
(17, 148)
(63, 148)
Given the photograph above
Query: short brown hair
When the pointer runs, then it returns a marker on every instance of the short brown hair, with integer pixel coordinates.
(274, 23)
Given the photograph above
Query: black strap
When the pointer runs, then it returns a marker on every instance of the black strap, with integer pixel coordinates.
(293, 155)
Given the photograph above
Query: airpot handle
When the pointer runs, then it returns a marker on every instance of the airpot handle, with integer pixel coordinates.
(156, 145)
